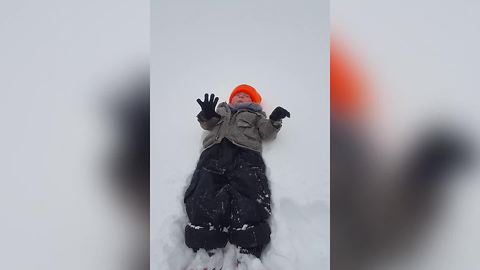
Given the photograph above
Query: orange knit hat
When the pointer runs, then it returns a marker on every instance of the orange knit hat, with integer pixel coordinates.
(249, 90)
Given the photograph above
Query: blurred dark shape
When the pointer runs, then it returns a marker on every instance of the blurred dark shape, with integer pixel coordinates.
(380, 211)
(438, 151)
(131, 160)
(375, 212)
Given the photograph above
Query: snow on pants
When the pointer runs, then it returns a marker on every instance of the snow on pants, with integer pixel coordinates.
(228, 200)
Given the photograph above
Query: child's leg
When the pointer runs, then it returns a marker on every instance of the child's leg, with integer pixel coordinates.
(250, 191)
(207, 203)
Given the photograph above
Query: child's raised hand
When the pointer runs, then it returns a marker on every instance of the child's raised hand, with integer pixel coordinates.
(279, 113)
(208, 106)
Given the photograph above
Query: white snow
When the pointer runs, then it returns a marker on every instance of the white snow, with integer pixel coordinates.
(279, 47)
(203, 259)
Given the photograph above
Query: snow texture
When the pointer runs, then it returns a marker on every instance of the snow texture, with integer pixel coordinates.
(279, 47)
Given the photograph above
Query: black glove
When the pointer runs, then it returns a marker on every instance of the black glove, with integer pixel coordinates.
(208, 106)
(279, 113)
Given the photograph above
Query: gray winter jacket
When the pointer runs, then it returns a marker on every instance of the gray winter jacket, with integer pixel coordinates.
(244, 127)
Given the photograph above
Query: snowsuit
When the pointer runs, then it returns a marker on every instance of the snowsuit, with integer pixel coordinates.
(228, 198)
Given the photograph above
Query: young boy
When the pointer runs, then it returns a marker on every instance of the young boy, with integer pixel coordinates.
(228, 199)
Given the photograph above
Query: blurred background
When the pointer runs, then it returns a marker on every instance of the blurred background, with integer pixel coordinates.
(74, 82)
(404, 134)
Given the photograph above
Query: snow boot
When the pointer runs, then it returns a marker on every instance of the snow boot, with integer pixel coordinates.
(248, 261)
(207, 260)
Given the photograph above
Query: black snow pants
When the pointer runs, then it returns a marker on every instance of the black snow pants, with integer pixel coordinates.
(228, 200)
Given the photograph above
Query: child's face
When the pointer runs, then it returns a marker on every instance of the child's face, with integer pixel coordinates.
(241, 97)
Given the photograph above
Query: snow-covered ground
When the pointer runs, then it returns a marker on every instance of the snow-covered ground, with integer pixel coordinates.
(281, 48)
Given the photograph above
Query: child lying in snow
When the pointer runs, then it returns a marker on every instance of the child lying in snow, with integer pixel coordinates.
(228, 199)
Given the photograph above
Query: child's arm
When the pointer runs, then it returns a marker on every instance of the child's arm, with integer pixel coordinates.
(208, 117)
(269, 128)
(207, 124)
